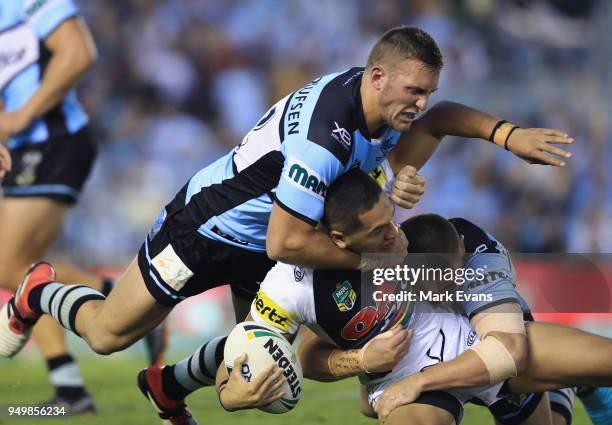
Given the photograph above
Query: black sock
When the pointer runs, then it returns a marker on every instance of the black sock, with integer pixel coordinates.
(172, 388)
(65, 377)
(107, 287)
(34, 299)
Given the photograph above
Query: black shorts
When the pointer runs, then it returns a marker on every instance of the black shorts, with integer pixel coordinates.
(515, 409)
(55, 169)
(177, 262)
(444, 401)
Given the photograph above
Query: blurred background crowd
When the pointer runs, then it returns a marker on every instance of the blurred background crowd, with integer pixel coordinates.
(179, 82)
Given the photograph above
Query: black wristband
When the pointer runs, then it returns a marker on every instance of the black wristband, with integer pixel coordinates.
(508, 136)
(499, 124)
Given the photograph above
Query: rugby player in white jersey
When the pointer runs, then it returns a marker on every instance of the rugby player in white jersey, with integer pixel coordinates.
(331, 303)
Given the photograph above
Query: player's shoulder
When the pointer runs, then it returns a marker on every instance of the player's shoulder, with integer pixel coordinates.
(284, 299)
(288, 280)
(31, 8)
(475, 239)
(333, 115)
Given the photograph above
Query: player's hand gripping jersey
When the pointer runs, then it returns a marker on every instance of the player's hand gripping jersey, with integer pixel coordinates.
(24, 24)
(295, 151)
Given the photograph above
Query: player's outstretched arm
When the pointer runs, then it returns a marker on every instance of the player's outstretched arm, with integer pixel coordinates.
(534, 145)
(72, 53)
(293, 241)
(322, 361)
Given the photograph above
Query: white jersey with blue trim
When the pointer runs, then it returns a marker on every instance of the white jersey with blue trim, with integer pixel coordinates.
(291, 156)
(24, 25)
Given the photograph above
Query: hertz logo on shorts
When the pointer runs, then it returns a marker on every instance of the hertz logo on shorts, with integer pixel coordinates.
(272, 313)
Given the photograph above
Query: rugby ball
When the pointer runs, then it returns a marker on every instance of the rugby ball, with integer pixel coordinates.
(263, 346)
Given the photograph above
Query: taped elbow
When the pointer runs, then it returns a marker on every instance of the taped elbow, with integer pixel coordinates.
(497, 359)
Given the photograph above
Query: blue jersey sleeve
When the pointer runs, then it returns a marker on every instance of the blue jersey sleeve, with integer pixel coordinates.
(497, 285)
(44, 16)
(308, 171)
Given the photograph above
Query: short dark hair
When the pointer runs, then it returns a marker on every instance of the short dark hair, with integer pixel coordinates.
(350, 195)
(401, 43)
(431, 233)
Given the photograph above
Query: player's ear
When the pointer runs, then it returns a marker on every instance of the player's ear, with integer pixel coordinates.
(462, 244)
(338, 238)
(377, 77)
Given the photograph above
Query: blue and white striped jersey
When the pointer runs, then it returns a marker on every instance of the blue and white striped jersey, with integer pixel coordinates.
(295, 151)
(24, 25)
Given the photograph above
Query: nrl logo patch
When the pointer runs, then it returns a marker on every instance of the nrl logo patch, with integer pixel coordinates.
(344, 296)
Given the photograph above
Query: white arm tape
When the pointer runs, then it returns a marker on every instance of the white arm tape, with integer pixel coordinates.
(497, 359)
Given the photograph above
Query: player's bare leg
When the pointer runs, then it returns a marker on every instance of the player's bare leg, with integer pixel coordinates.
(560, 356)
(28, 228)
(128, 313)
(107, 325)
(419, 414)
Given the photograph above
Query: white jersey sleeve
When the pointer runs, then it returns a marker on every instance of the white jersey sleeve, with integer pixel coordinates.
(285, 299)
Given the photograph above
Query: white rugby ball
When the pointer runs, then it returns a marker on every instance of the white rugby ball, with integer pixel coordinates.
(263, 346)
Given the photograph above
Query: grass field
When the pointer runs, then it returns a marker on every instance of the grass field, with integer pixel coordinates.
(112, 382)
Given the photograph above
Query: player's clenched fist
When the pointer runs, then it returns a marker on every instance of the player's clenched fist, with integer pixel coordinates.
(408, 187)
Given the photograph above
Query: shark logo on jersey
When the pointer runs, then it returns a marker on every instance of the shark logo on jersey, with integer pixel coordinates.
(157, 225)
(342, 136)
(305, 178)
(385, 147)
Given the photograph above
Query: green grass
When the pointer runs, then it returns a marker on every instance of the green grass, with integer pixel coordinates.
(112, 382)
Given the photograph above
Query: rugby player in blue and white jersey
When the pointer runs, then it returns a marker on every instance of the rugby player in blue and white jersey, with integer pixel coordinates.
(261, 202)
(45, 48)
